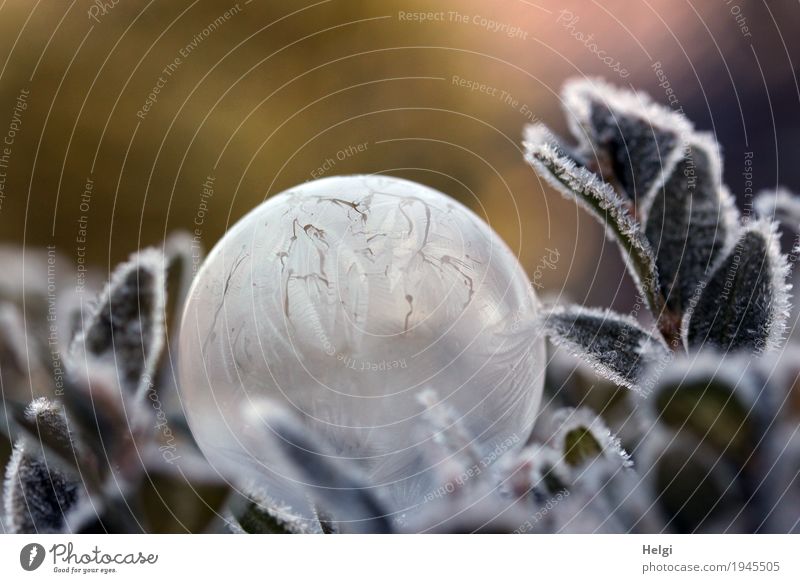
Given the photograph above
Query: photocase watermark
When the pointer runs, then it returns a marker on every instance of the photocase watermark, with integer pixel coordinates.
(340, 156)
(65, 559)
(206, 194)
(569, 21)
(101, 8)
(172, 68)
(31, 556)
(168, 448)
(548, 262)
(454, 17)
(500, 94)
(474, 470)
(94, 561)
(84, 205)
(14, 127)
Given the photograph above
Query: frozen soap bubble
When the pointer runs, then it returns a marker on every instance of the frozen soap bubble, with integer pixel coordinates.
(343, 300)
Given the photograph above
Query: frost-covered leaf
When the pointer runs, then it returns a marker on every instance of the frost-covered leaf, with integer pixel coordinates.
(254, 518)
(782, 509)
(782, 368)
(182, 256)
(41, 484)
(345, 499)
(690, 221)
(581, 437)
(635, 138)
(126, 328)
(46, 434)
(745, 303)
(616, 346)
(108, 420)
(37, 496)
(538, 134)
(721, 400)
(605, 204)
(723, 408)
(695, 488)
(779, 204)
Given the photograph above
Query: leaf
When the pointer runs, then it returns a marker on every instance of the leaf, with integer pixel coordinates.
(745, 304)
(581, 437)
(537, 134)
(637, 139)
(36, 496)
(45, 431)
(605, 204)
(126, 329)
(617, 347)
(182, 255)
(695, 489)
(338, 487)
(108, 421)
(726, 406)
(721, 400)
(690, 221)
(779, 204)
(257, 519)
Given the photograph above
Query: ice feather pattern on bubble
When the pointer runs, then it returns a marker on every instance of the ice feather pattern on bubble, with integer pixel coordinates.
(344, 299)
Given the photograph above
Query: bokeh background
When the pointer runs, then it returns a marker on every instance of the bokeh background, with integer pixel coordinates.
(268, 91)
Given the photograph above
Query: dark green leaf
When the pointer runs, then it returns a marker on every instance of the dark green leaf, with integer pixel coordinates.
(617, 347)
(635, 138)
(126, 329)
(604, 204)
(690, 221)
(37, 496)
(745, 303)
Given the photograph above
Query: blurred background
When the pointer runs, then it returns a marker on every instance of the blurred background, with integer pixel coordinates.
(115, 116)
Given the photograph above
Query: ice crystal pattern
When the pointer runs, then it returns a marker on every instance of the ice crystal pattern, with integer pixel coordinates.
(342, 300)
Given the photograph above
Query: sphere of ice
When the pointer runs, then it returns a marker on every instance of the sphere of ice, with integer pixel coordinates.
(343, 299)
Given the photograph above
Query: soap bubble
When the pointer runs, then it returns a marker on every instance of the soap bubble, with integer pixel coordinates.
(342, 301)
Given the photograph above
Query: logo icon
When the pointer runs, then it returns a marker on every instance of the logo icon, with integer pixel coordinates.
(31, 556)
